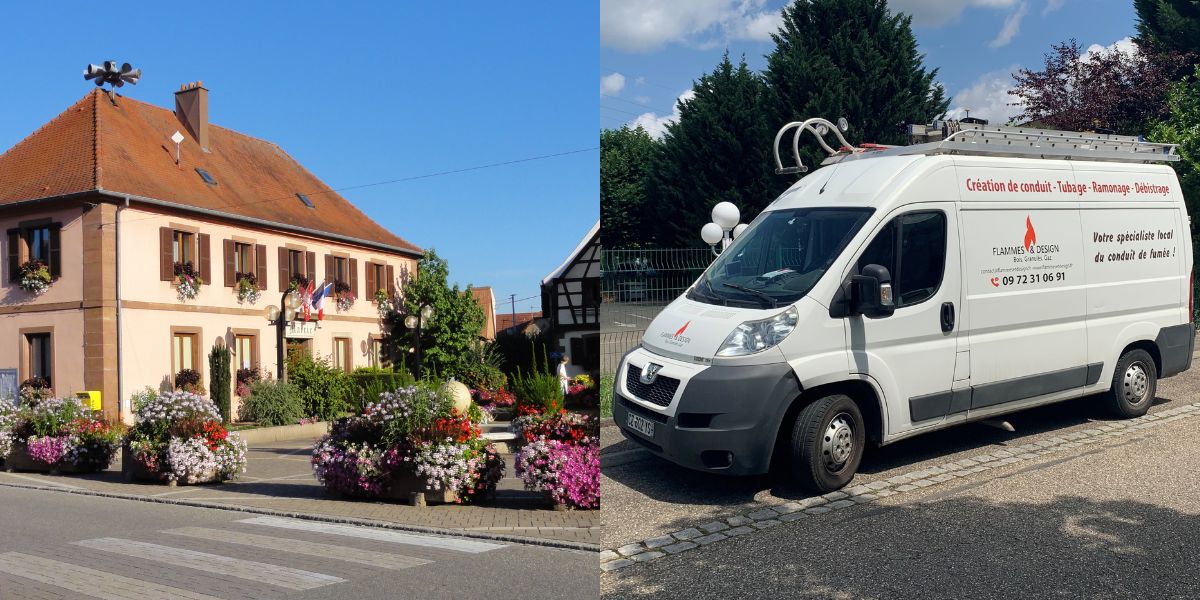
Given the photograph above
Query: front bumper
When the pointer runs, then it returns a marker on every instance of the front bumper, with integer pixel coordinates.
(722, 419)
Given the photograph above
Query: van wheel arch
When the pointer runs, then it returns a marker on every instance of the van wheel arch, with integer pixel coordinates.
(861, 391)
(1150, 347)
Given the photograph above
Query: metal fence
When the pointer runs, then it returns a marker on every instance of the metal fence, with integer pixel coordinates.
(634, 286)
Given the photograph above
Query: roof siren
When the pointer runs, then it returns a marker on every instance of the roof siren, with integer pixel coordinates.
(112, 74)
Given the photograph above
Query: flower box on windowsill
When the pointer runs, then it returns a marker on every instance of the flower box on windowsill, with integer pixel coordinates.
(19, 460)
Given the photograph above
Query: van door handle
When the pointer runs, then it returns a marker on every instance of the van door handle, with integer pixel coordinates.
(947, 316)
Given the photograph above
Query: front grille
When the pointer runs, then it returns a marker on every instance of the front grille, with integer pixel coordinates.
(661, 392)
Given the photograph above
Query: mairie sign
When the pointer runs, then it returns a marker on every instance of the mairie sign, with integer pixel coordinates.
(302, 329)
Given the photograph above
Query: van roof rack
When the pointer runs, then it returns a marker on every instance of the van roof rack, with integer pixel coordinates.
(980, 139)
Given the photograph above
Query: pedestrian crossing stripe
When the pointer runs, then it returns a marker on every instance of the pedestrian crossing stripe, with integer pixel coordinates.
(371, 558)
(382, 535)
(285, 577)
(90, 582)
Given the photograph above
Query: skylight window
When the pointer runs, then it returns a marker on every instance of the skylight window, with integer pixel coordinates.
(206, 177)
(305, 200)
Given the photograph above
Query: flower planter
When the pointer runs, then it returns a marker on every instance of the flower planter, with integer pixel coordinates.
(133, 470)
(410, 488)
(19, 460)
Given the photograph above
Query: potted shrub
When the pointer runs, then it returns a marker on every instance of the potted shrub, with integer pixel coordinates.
(411, 441)
(56, 435)
(247, 288)
(187, 281)
(33, 276)
(178, 438)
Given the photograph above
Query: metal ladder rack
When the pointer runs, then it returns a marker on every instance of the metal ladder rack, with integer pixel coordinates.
(984, 140)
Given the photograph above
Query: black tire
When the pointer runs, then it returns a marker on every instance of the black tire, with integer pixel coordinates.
(1134, 384)
(824, 459)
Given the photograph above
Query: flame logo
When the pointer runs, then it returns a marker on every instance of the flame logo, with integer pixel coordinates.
(682, 329)
(1030, 234)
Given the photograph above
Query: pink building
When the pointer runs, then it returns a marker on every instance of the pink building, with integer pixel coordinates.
(116, 210)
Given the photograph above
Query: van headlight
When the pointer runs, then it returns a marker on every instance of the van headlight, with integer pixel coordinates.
(755, 336)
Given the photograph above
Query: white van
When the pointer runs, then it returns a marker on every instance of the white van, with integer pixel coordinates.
(907, 289)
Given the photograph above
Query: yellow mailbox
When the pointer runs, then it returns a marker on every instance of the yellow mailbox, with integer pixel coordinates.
(90, 399)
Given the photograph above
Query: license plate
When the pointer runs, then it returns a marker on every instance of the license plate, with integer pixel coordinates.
(640, 424)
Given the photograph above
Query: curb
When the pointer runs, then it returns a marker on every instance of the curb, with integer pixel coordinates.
(283, 433)
(770, 515)
(498, 537)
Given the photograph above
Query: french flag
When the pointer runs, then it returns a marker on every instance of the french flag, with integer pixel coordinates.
(318, 299)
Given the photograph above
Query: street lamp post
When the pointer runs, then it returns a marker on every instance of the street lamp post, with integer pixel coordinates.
(724, 227)
(278, 317)
(414, 322)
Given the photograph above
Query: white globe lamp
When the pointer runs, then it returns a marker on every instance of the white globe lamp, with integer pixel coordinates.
(711, 234)
(739, 229)
(726, 215)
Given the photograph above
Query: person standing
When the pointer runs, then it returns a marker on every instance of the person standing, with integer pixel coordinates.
(564, 382)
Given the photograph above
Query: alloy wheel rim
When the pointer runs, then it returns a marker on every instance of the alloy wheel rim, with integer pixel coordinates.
(837, 442)
(1135, 385)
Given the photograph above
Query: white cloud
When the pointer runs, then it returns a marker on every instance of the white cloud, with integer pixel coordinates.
(647, 25)
(987, 98)
(934, 13)
(612, 84)
(1011, 27)
(1052, 5)
(1124, 45)
(641, 80)
(656, 125)
(642, 99)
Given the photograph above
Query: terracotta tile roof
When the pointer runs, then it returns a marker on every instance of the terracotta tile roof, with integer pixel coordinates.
(504, 320)
(126, 149)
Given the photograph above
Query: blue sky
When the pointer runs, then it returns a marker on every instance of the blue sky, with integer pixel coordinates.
(652, 50)
(361, 93)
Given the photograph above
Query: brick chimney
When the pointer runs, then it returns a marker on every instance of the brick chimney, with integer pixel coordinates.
(191, 108)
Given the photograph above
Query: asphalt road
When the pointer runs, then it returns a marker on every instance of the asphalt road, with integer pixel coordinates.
(1118, 518)
(61, 545)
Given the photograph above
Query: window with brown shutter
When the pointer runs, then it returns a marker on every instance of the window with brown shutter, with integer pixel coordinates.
(260, 265)
(372, 287)
(40, 240)
(229, 252)
(204, 260)
(166, 254)
(352, 264)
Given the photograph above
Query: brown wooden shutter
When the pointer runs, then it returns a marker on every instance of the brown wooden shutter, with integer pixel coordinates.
(391, 280)
(55, 251)
(352, 264)
(311, 263)
(203, 257)
(229, 250)
(285, 274)
(372, 287)
(330, 269)
(166, 260)
(14, 253)
(260, 265)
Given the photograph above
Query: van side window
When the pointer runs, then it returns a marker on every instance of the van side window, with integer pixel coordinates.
(919, 241)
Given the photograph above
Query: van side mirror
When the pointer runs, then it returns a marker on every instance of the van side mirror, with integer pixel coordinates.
(871, 292)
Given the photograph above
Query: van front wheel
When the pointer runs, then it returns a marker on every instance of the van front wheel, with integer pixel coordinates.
(1134, 384)
(827, 443)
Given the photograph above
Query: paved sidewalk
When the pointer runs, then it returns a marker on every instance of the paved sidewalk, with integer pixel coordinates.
(279, 479)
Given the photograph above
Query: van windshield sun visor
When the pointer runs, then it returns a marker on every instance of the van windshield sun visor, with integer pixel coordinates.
(780, 257)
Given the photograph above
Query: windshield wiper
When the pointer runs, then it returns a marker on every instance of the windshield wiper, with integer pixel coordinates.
(767, 297)
(711, 293)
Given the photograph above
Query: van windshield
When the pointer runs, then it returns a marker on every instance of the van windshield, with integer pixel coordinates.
(780, 257)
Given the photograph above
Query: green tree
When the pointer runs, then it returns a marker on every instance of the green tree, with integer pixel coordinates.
(1165, 26)
(449, 340)
(625, 155)
(719, 150)
(1182, 126)
(853, 59)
